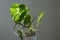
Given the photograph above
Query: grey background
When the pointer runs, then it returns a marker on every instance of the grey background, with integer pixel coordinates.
(49, 27)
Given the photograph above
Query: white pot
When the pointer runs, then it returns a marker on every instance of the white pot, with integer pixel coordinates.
(31, 38)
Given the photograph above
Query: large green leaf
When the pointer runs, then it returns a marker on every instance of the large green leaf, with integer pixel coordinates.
(14, 11)
(18, 12)
(39, 17)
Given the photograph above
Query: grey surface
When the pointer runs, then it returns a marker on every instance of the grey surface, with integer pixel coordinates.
(49, 27)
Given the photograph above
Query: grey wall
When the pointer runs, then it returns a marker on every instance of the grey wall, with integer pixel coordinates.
(49, 27)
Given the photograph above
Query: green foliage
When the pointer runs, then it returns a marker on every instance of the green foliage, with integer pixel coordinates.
(14, 11)
(20, 17)
(39, 17)
(22, 8)
(18, 12)
(27, 19)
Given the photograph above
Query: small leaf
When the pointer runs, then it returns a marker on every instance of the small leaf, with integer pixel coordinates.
(27, 19)
(18, 12)
(39, 17)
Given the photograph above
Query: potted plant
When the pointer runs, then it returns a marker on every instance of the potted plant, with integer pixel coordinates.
(20, 15)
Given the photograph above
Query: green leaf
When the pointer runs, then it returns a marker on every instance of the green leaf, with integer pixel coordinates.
(22, 16)
(14, 11)
(18, 12)
(39, 17)
(13, 8)
(27, 19)
(23, 8)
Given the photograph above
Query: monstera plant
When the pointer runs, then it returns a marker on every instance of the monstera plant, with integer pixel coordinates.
(20, 15)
